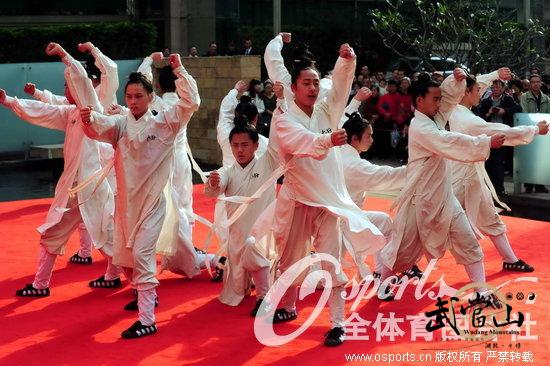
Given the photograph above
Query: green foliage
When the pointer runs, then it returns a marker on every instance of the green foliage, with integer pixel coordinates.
(123, 40)
(477, 33)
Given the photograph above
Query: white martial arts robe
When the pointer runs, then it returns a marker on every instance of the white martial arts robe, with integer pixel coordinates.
(143, 160)
(314, 194)
(470, 181)
(245, 257)
(430, 218)
(225, 125)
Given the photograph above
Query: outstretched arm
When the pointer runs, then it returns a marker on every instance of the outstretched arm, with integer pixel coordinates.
(275, 63)
(109, 74)
(342, 78)
(51, 116)
(100, 127)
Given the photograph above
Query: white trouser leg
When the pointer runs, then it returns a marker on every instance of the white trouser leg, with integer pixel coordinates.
(112, 271)
(476, 273)
(504, 249)
(43, 275)
(336, 305)
(85, 241)
(261, 281)
(146, 306)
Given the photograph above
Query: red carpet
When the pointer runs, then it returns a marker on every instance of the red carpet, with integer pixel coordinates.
(80, 326)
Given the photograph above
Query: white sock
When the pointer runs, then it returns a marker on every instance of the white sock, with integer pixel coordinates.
(86, 243)
(504, 248)
(146, 306)
(261, 281)
(476, 273)
(46, 261)
(336, 304)
(288, 301)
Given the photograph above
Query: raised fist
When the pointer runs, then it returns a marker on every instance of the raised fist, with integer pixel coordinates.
(29, 88)
(54, 49)
(86, 47)
(175, 60)
(287, 37)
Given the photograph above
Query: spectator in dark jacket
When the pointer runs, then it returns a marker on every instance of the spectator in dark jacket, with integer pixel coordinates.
(499, 108)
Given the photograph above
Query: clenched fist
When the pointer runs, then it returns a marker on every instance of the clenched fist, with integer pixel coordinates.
(339, 137)
(86, 114)
(175, 60)
(29, 88)
(241, 86)
(497, 140)
(55, 49)
(363, 94)
(543, 127)
(346, 52)
(214, 179)
(287, 37)
(86, 47)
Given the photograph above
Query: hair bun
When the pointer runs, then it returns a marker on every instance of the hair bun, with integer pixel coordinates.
(424, 77)
(355, 118)
(245, 99)
(302, 57)
(240, 121)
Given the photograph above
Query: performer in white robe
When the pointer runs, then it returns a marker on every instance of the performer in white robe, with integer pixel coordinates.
(314, 196)
(178, 254)
(105, 88)
(362, 176)
(94, 205)
(430, 219)
(225, 124)
(143, 158)
(471, 185)
(246, 258)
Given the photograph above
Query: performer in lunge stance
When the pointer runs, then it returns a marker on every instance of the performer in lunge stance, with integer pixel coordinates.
(314, 196)
(430, 219)
(93, 205)
(178, 254)
(471, 185)
(144, 146)
(104, 79)
(246, 259)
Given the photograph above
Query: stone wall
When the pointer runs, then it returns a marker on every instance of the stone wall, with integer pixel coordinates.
(215, 77)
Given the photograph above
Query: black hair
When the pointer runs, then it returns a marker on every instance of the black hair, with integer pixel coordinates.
(392, 82)
(242, 125)
(355, 125)
(535, 76)
(92, 70)
(246, 108)
(139, 78)
(470, 82)
(167, 79)
(515, 82)
(302, 60)
(500, 82)
(546, 78)
(191, 47)
(422, 86)
(251, 87)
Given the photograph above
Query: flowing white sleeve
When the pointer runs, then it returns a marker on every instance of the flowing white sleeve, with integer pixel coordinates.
(146, 68)
(452, 92)
(486, 80)
(180, 113)
(104, 128)
(80, 85)
(225, 125)
(275, 66)
(109, 78)
(47, 96)
(295, 139)
(342, 78)
(453, 145)
(476, 126)
(55, 117)
(374, 177)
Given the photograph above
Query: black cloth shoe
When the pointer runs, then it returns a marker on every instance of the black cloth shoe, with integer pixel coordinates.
(133, 305)
(282, 316)
(199, 251)
(254, 311)
(334, 337)
(80, 260)
(218, 272)
(101, 282)
(519, 266)
(138, 330)
(30, 291)
(413, 272)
